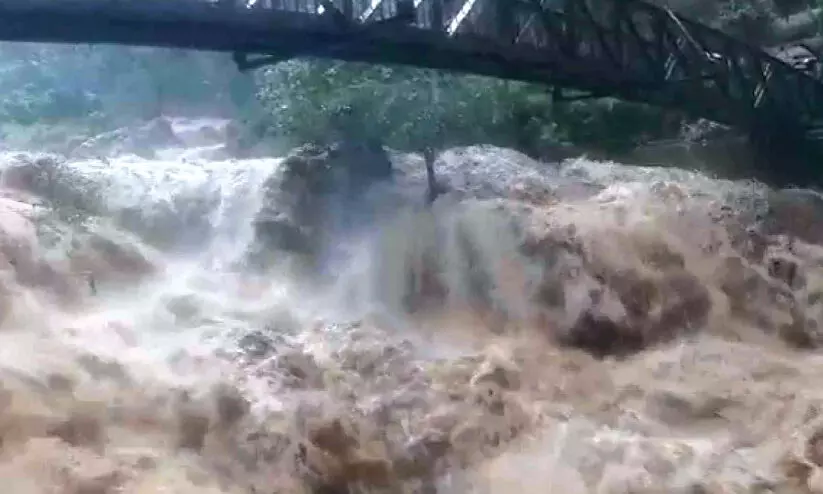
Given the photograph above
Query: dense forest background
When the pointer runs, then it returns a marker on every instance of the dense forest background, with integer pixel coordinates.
(49, 90)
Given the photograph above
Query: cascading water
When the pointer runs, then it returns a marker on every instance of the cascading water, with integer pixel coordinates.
(184, 324)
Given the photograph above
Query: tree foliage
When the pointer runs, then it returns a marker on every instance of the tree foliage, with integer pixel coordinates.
(45, 83)
(405, 107)
(306, 100)
(413, 108)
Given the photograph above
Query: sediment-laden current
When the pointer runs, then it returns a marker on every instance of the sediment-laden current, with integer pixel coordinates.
(192, 324)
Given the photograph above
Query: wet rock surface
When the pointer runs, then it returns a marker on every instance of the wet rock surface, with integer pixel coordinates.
(314, 185)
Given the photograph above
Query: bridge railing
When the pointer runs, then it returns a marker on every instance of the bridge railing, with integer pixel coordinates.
(746, 79)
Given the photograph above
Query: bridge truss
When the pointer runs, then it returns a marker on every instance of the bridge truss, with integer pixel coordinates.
(623, 48)
(628, 49)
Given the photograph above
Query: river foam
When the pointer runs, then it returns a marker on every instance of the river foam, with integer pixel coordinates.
(587, 327)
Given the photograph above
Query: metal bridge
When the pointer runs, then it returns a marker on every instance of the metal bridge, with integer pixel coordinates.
(628, 49)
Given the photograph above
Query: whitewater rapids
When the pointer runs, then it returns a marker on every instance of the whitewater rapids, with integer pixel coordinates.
(579, 328)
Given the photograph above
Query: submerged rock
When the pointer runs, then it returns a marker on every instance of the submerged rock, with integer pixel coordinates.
(142, 140)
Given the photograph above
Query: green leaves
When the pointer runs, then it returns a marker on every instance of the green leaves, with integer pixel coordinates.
(411, 108)
(306, 100)
(406, 107)
(44, 83)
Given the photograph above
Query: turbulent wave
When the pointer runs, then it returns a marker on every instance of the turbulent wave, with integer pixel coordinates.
(184, 324)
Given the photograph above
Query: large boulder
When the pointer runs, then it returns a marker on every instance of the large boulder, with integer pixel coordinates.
(298, 198)
(364, 162)
(293, 202)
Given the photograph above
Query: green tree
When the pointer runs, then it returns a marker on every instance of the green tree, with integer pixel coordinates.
(406, 107)
(411, 108)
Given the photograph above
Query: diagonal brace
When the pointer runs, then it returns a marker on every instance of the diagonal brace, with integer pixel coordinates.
(405, 15)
